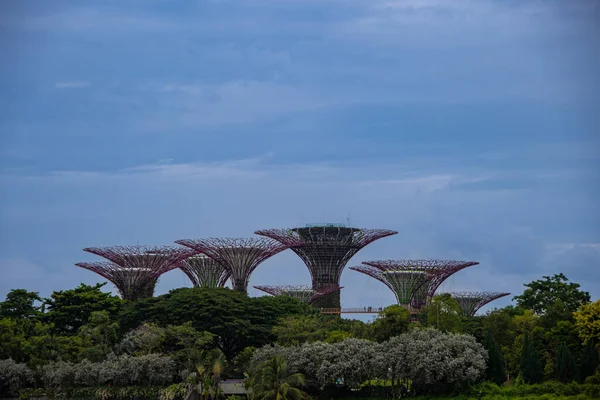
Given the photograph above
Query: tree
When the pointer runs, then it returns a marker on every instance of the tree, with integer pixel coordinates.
(587, 321)
(589, 360)
(236, 320)
(392, 321)
(69, 310)
(272, 381)
(565, 368)
(495, 365)
(101, 334)
(531, 365)
(20, 304)
(542, 294)
(444, 313)
(297, 329)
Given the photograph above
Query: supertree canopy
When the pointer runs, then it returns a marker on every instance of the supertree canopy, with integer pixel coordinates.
(471, 302)
(326, 249)
(134, 270)
(414, 281)
(239, 256)
(203, 271)
(132, 283)
(409, 287)
(303, 293)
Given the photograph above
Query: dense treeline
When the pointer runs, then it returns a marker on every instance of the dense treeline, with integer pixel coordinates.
(85, 338)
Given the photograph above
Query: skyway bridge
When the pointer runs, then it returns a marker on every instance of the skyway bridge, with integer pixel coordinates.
(358, 310)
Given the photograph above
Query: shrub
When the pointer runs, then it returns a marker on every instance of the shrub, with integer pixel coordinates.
(14, 377)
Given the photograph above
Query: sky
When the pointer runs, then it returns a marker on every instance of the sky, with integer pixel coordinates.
(469, 126)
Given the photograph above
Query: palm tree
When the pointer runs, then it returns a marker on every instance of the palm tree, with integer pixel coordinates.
(272, 381)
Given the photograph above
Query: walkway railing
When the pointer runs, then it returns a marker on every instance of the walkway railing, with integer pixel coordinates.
(359, 310)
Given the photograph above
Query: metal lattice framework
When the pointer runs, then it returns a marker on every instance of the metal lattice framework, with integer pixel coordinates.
(205, 272)
(435, 272)
(326, 249)
(239, 256)
(135, 270)
(303, 293)
(409, 286)
(471, 302)
(132, 283)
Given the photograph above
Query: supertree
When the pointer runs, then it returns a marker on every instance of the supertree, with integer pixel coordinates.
(203, 271)
(132, 283)
(409, 287)
(134, 270)
(326, 249)
(471, 302)
(239, 256)
(303, 293)
(416, 280)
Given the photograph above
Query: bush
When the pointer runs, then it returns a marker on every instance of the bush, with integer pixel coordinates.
(14, 377)
(151, 370)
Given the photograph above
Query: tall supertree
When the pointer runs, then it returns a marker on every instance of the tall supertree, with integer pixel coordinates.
(239, 256)
(303, 293)
(134, 270)
(471, 302)
(326, 249)
(203, 271)
(416, 281)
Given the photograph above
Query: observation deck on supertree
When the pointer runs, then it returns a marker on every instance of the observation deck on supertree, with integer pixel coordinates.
(414, 281)
(204, 272)
(239, 256)
(303, 293)
(326, 249)
(471, 302)
(135, 270)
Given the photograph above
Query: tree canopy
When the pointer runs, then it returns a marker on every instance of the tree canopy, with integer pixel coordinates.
(541, 295)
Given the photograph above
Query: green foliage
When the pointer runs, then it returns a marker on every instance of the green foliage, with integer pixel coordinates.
(69, 310)
(565, 367)
(13, 377)
(151, 369)
(531, 365)
(587, 321)
(297, 329)
(444, 313)
(236, 320)
(271, 380)
(21, 304)
(541, 295)
(392, 321)
(495, 364)
(589, 360)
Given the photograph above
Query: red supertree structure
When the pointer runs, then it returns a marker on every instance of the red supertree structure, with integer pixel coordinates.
(326, 249)
(414, 282)
(239, 256)
(205, 272)
(135, 270)
(304, 293)
(471, 302)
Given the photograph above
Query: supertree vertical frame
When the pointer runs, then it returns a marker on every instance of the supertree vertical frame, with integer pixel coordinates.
(436, 272)
(135, 269)
(471, 302)
(239, 256)
(205, 272)
(302, 293)
(326, 249)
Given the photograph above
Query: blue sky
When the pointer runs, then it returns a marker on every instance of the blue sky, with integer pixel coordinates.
(469, 126)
